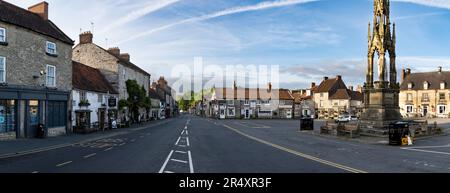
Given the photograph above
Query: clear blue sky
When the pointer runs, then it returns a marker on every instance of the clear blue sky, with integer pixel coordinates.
(308, 40)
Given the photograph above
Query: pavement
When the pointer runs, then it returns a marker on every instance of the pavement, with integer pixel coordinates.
(189, 144)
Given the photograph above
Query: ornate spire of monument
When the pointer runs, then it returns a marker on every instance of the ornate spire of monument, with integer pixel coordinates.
(381, 42)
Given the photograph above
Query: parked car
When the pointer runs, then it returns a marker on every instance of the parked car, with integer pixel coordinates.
(346, 118)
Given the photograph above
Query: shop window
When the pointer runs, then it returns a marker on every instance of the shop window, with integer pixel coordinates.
(7, 116)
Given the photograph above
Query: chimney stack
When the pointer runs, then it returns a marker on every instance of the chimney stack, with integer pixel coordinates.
(41, 9)
(114, 51)
(125, 57)
(313, 84)
(325, 78)
(86, 37)
(440, 69)
(359, 89)
(350, 88)
(270, 87)
(339, 77)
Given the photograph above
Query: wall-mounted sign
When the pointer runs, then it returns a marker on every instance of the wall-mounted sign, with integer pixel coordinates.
(112, 102)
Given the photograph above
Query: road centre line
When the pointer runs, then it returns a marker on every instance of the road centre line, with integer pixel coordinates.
(329, 163)
(63, 164)
(108, 149)
(90, 155)
(426, 151)
(187, 141)
(165, 163)
(191, 165)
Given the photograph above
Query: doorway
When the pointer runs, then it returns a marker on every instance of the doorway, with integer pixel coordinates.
(101, 119)
(33, 118)
(222, 112)
(247, 113)
(425, 110)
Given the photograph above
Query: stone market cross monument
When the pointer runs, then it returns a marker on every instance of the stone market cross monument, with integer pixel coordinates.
(381, 98)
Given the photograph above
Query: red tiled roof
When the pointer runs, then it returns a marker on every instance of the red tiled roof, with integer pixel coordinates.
(14, 15)
(90, 79)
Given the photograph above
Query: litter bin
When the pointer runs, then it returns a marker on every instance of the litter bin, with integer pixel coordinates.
(397, 131)
(306, 124)
(41, 131)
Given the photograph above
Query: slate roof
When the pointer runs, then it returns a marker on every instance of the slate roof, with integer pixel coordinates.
(90, 79)
(434, 80)
(15, 15)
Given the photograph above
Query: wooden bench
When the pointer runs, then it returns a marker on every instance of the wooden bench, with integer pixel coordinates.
(349, 129)
(330, 128)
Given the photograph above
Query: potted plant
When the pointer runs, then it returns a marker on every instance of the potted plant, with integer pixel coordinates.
(84, 103)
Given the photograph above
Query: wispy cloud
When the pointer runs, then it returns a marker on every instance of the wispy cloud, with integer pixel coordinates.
(432, 3)
(231, 11)
(147, 9)
(419, 16)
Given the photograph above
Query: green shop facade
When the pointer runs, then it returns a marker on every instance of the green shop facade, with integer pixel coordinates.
(23, 109)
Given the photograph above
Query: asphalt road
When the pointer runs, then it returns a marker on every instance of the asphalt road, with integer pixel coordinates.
(196, 145)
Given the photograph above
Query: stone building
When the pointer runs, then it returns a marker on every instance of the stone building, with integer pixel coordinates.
(114, 65)
(332, 98)
(35, 73)
(425, 94)
(94, 99)
(250, 103)
(166, 94)
(303, 102)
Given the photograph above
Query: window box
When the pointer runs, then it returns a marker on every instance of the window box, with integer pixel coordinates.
(84, 103)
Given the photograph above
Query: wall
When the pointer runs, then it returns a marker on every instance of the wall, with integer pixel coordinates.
(26, 57)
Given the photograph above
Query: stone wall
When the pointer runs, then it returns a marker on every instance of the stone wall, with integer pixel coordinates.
(26, 57)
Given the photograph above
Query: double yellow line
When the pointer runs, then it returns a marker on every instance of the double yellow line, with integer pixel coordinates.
(346, 168)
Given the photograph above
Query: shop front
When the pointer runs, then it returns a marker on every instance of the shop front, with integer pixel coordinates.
(22, 110)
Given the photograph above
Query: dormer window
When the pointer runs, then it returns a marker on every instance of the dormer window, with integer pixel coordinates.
(2, 35)
(425, 85)
(51, 48)
(410, 85)
(442, 85)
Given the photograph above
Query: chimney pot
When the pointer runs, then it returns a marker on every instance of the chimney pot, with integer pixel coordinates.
(86, 37)
(41, 9)
(325, 78)
(125, 57)
(114, 51)
(339, 77)
(350, 88)
(313, 84)
(270, 86)
(440, 69)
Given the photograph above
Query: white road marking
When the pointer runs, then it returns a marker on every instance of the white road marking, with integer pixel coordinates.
(35, 172)
(177, 160)
(165, 163)
(187, 141)
(426, 151)
(133, 140)
(179, 138)
(168, 172)
(108, 149)
(182, 133)
(181, 146)
(187, 132)
(90, 155)
(427, 147)
(63, 164)
(122, 144)
(183, 152)
(141, 136)
(191, 165)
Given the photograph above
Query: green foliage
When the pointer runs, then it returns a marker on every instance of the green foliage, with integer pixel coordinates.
(122, 104)
(84, 103)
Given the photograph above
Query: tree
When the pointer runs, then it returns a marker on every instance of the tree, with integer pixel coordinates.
(136, 98)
